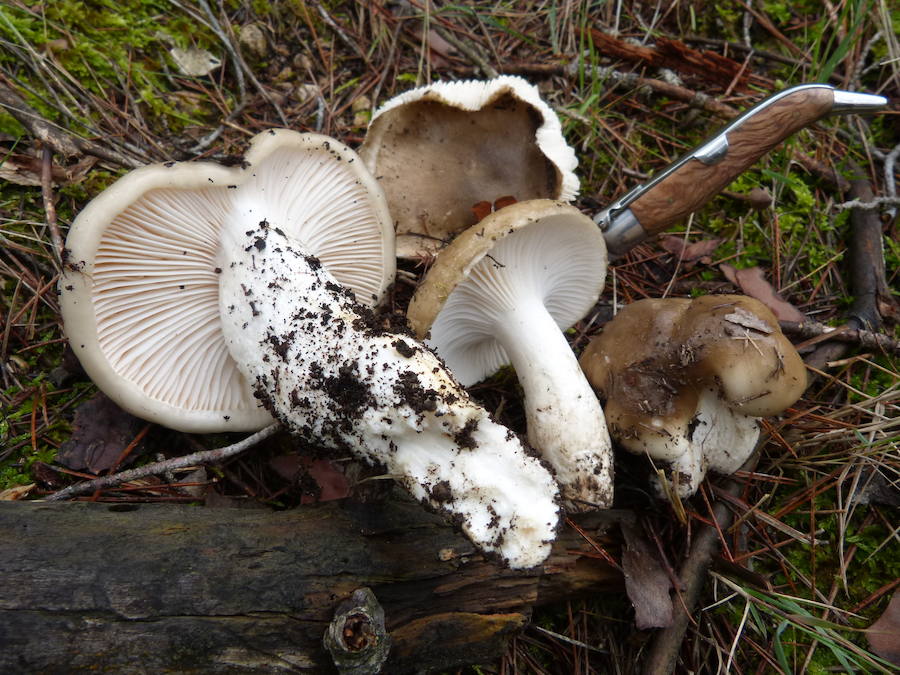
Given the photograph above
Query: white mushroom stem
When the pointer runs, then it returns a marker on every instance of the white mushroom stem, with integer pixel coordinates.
(564, 417)
(719, 439)
(322, 365)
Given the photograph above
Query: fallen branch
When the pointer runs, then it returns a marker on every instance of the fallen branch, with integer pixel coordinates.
(165, 466)
(809, 330)
(694, 99)
(50, 205)
(871, 205)
(677, 56)
(867, 284)
(666, 645)
(871, 294)
(134, 588)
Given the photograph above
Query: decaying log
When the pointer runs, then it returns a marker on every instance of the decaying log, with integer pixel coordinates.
(153, 588)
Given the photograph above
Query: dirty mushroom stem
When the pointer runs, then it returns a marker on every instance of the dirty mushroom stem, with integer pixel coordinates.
(321, 364)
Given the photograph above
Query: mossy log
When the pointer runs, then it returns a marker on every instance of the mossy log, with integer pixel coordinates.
(150, 588)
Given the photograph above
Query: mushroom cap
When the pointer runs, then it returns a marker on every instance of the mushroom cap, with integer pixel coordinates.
(139, 293)
(649, 404)
(541, 249)
(756, 368)
(439, 149)
(679, 376)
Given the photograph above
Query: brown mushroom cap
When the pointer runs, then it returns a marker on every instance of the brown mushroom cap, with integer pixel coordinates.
(662, 366)
(742, 348)
(437, 150)
(660, 347)
(629, 363)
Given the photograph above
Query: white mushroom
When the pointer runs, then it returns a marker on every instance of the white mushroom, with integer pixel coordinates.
(439, 149)
(139, 295)
(503, 292)
(684, 381)
(296, 339)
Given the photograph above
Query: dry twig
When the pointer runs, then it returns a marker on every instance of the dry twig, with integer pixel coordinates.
(216, 455)
(54, 136)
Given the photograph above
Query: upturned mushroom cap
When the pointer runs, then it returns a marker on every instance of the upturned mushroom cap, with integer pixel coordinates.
(684, 380)
(439, 149)
(540, 249)
(502, 292)
(140, 290)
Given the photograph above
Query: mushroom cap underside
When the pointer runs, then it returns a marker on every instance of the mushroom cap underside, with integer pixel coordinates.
(440, 149)
(540, 253)
(139, 293)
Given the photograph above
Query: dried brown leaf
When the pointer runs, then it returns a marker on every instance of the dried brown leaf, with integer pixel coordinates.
(646, 582)
(19, 174)
(440, 46)
(194, 62)
(329, 478)
(741, 317)
(752, 282)
(506, 200)
(17, 492)
(884, 634)
(320, 479)
(699, 251)
(876, 488)
(26, 170)
(100, 432)
(481, 210)
(484, 208)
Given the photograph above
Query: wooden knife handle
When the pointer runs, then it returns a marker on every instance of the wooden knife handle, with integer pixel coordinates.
(695, 183)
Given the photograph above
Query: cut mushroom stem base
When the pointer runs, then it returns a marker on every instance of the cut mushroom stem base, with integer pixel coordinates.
(564, 417)
(322, 365)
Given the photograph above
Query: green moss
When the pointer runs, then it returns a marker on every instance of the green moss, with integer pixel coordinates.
(104, 46)
(15, 423)
(779, 11)
(873, 381)
(9, 125)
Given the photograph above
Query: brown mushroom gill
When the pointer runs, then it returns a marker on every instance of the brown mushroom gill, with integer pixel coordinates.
(435, 161)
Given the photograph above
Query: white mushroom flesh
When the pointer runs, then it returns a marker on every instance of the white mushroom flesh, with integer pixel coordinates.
(717, 438)
(325, 369)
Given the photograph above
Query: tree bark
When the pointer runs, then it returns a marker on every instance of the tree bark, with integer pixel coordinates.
(149, 588)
